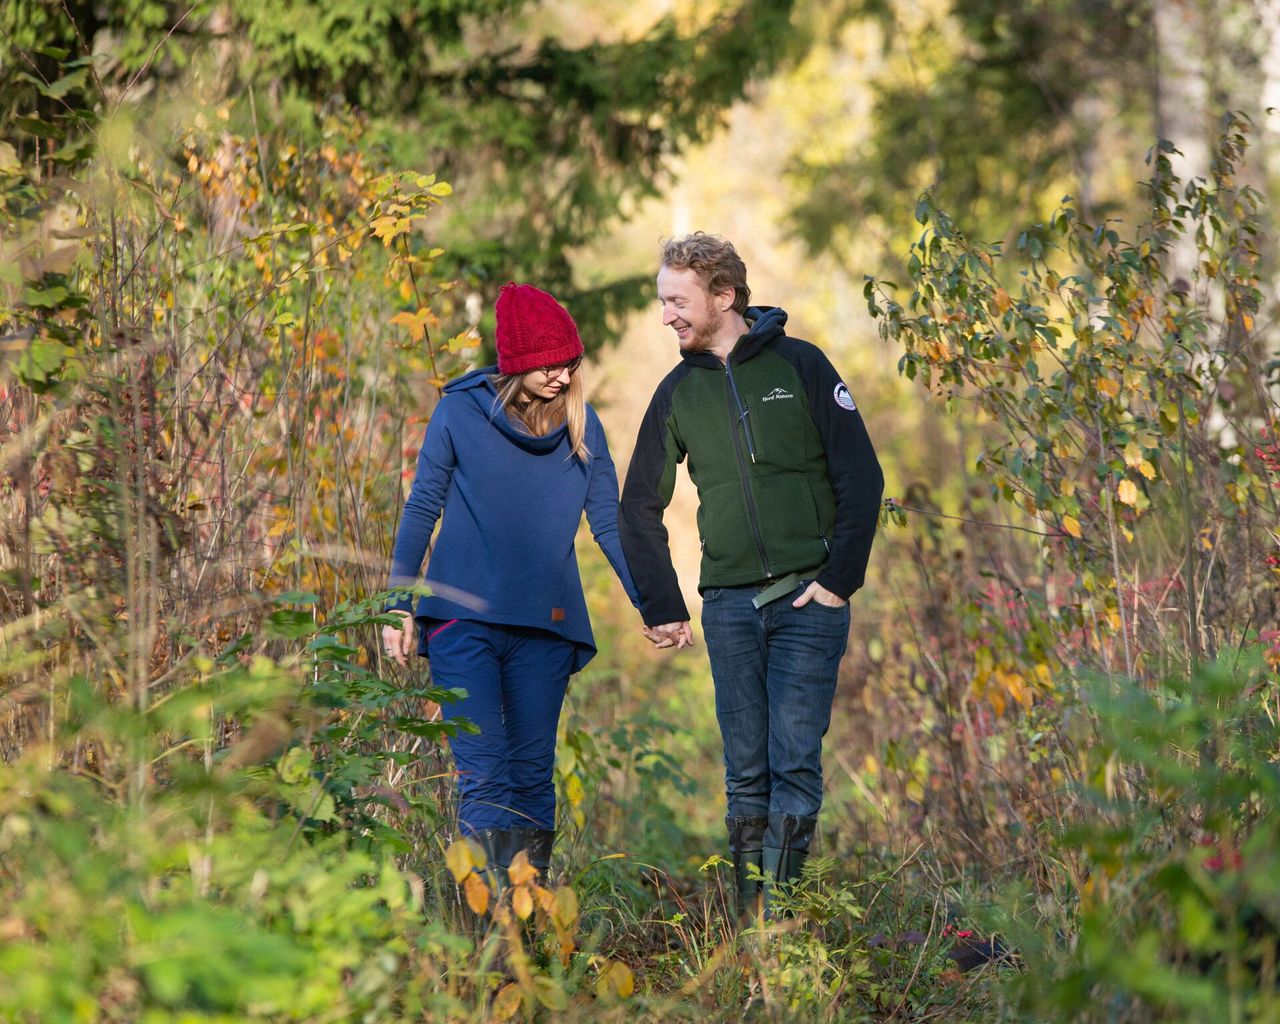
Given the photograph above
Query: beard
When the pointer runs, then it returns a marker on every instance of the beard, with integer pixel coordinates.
(704, 337)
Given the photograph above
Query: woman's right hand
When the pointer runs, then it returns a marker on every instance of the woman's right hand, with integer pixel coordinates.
(396, 639)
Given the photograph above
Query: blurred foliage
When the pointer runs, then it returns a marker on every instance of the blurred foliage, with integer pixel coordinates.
(548, 142)
(1179, 908)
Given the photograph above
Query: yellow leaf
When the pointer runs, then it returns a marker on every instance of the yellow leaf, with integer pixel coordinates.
(1108, 387)
(1072, 525)
(477, 893)
(415, 322)
(617, 980)
(565, 911)
(1127, 492)
(1133, 454)
(624, 980)
(521, 872)
(1002, 300)
(507, 1002)
(1147, 470)
(461, 857)
(997, 701)
(522, 902)
(915, 791)
(388, 228)
(574, 791)
(1017, 688)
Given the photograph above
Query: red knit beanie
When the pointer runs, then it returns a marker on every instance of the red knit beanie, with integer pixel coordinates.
(533, 330)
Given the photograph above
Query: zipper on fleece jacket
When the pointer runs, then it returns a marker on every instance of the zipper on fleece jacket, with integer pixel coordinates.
(737, 418)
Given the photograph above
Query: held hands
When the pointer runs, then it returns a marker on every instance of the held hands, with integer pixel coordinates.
(396, 639)
(673, 634)
(814, 592)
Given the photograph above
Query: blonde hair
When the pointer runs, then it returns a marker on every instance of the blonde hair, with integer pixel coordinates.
(714, 260)
(540, 416)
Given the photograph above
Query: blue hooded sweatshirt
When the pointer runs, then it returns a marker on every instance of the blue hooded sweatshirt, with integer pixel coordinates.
(511, 507)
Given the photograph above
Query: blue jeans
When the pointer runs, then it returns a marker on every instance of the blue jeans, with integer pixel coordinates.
(515, 680)
(775, 677)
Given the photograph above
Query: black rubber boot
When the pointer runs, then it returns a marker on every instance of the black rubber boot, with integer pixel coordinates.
(746, 844)
(785, 851)
(537, 844)
(497, 844)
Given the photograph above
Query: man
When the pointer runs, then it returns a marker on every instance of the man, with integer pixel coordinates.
(788, 501)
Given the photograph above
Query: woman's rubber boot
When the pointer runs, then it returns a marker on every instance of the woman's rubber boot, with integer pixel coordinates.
(537, 844)
(786, 848)
(746, 845)
(497, 844)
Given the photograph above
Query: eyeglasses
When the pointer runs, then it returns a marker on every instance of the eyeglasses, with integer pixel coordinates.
(552, 372)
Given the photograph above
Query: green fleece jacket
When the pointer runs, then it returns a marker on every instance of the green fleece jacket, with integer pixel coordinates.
(786, 475)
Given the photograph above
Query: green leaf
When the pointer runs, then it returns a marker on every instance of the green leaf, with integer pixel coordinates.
(45, 298)
(550, 993)
(295, 766)
(290, 624)
(57, 90)
(42, 359)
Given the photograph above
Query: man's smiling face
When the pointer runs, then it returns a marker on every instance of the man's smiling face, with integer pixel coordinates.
(688, 308)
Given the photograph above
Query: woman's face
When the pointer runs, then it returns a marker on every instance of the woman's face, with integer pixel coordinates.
(547, 382)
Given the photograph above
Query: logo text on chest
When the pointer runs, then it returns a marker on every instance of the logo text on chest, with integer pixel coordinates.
(777, 393)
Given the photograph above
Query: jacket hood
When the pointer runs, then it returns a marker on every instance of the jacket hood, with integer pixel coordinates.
(477, 386)
(764, 324)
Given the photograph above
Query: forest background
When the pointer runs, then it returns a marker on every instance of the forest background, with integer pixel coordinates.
(244, 244)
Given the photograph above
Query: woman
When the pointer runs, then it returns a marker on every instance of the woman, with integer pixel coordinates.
(512, 459)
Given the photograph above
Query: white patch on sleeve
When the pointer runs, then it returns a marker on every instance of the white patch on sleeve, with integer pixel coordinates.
(843, 398)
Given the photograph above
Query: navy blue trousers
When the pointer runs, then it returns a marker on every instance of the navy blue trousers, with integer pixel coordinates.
(515, 678)
(774, 670)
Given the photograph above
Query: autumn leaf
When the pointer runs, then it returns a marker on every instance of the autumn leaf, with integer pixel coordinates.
(1072, 526)
(415, 322)
(389, 228)
(1133, 454)
(1002, 300)
(1147, 470)
(617, 980)
(1108, 387)
(1127, 492)
(521, 871)
(522, 903)
(461, 857)
(507, 1002)
(565, 911)
(477, 893)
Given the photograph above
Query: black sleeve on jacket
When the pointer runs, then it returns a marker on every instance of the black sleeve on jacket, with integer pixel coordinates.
(852, 466)
(651, 478)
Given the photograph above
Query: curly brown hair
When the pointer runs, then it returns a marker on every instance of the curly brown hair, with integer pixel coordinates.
(714, 260)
